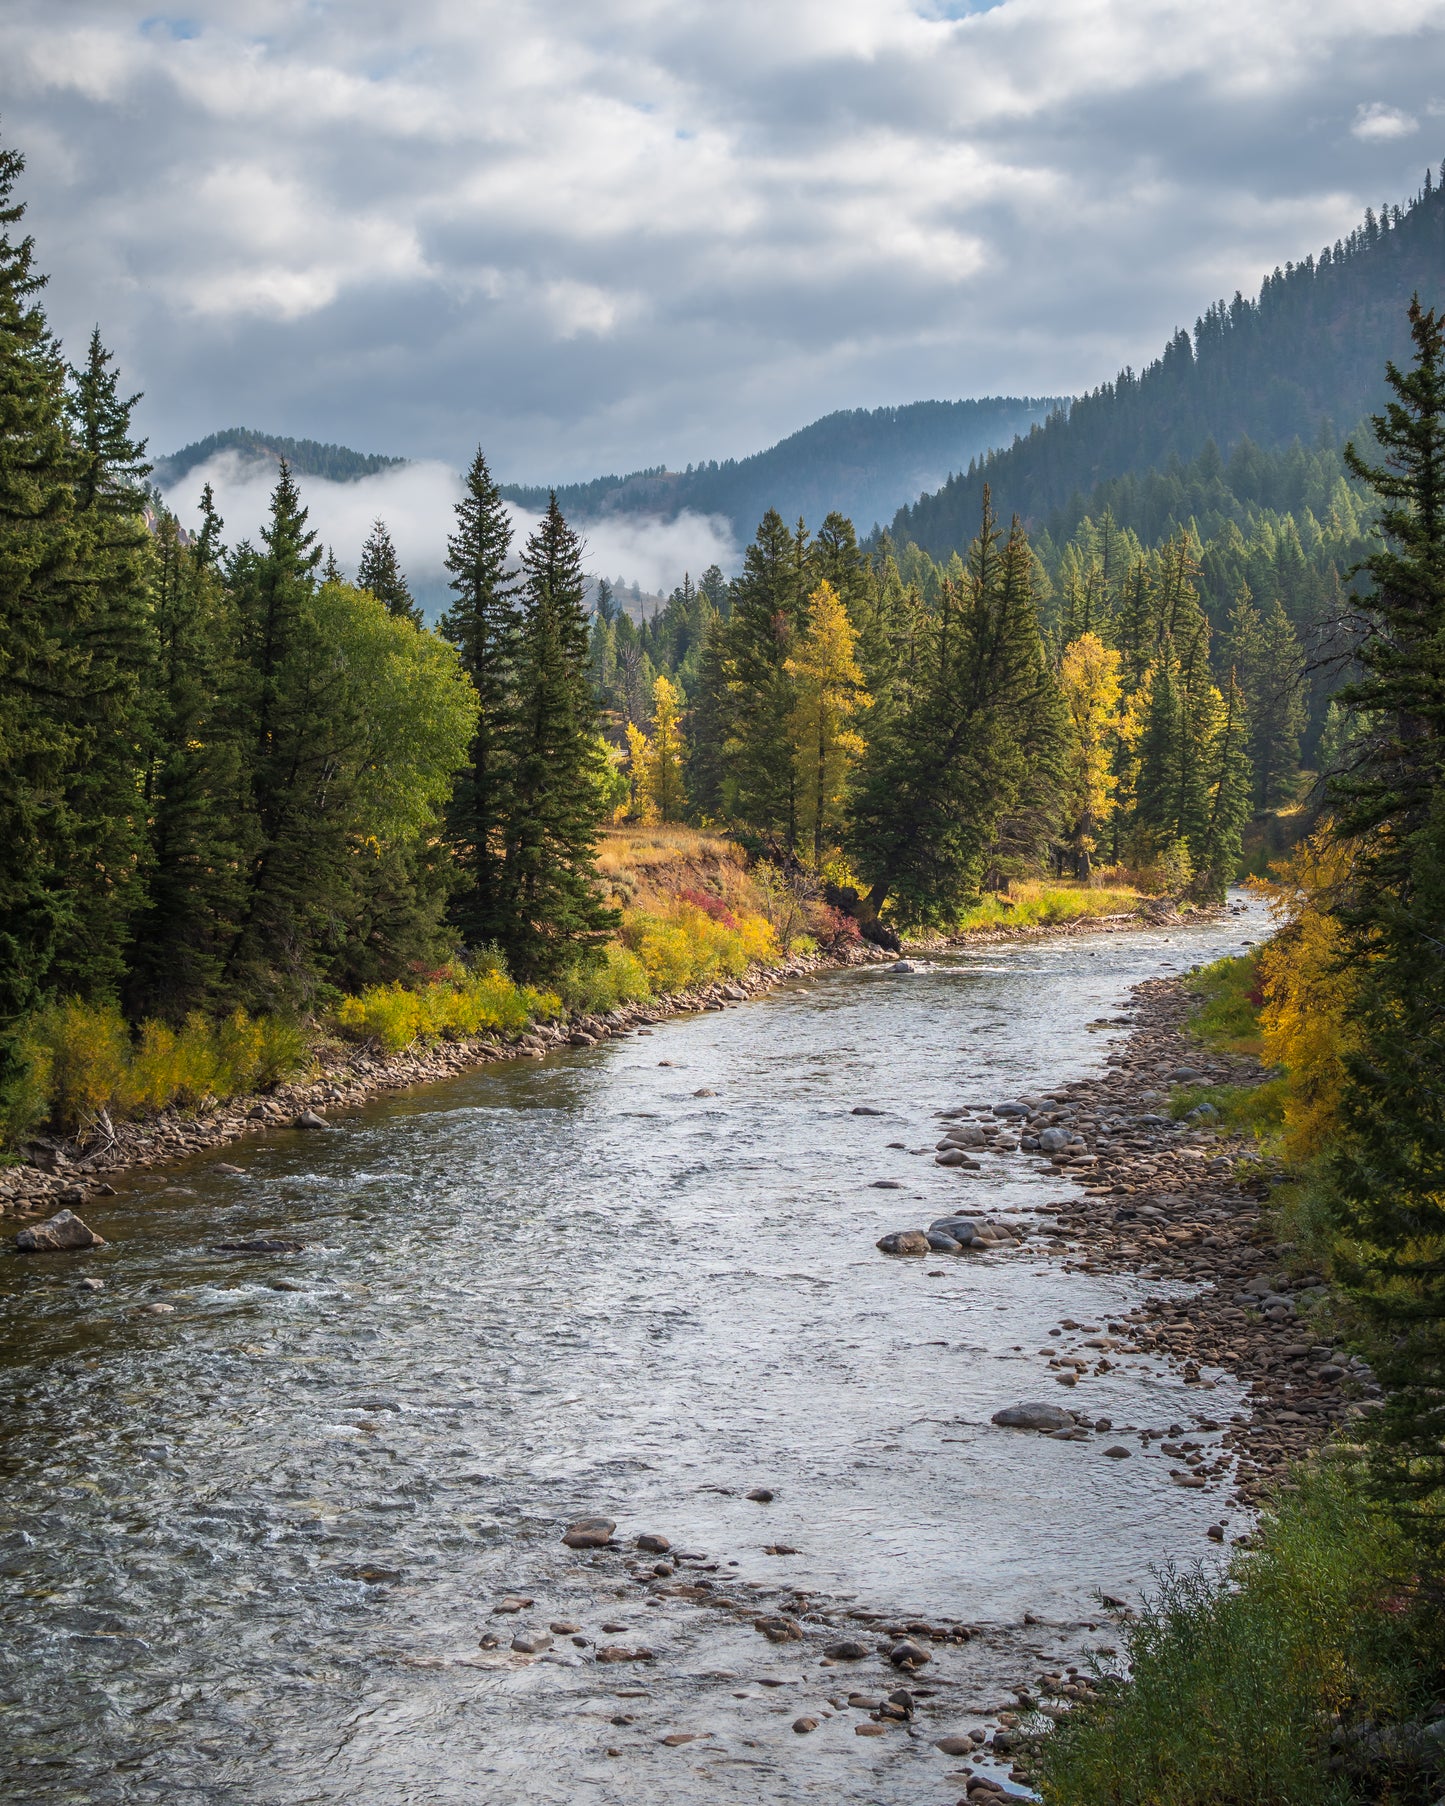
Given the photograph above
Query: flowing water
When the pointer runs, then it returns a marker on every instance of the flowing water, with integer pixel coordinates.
(637, 1280)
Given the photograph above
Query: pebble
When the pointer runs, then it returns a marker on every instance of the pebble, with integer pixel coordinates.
(562, 1627)
(760, 1495)
(513, 1603)
(531, 1642)
(654, 1544)
(908, 1654)
(803, 1725)
(868, 1110)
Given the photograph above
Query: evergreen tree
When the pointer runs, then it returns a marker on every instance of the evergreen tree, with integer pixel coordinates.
(381, 573)
(111, 631)
(760, 784)
(1277, 710)
(553, 905)
(1391, 1168)
(37, 656)
(484, 624)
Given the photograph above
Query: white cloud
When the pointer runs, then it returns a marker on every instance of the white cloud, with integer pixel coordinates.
(598, 234)
(1378, 122)
(417, 502)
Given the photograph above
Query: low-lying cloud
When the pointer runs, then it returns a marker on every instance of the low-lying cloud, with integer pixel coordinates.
(418, 502)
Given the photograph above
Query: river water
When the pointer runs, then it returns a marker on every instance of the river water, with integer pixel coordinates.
(637, 1280)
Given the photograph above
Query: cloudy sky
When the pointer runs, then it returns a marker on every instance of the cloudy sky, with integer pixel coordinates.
(596, 234)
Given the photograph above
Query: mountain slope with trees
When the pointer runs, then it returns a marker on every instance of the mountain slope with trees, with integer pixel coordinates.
(857, 462)
(1304, 362)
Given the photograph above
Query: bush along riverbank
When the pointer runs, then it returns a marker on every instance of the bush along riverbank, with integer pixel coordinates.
(69, 1170)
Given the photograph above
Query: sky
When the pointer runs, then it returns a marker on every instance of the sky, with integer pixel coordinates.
(593, 235)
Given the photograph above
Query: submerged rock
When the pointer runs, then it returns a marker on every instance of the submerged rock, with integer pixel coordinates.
(309, 1119)
(1034, 1417)
(60, 1234)
(847, 1649)
(589, 1533)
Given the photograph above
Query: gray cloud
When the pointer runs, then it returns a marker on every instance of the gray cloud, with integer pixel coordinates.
(594, 234)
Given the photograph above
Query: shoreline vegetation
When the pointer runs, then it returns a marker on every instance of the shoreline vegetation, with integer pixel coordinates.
(671, 958)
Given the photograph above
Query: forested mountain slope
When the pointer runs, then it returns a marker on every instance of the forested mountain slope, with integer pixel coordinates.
(1305, 361)
(307, 457)
(858, 462)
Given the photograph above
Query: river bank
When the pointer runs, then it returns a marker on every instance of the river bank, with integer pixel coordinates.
(69, 1171)
(1176, 1202)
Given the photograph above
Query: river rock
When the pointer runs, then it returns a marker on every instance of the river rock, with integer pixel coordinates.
(532, 1642)
(956, 1157)
(1034, 1417)
(867, 1110)
(1118, 1452)
(654, 1544)
(904, 1241)
(309, 1119)
(956, 1746)
(261, 1244)
(1051, 1141)
(514, 1603)
(779, 1630)
(908, 1654)
(1010, 1110)
(943, 1244)
(803, 1725)
(962, 1229)
(847, 1649)
(908, 965)
(59, 1234)
(589, 1533)
(760, 1495)
(965, 1135)
(614, 1652)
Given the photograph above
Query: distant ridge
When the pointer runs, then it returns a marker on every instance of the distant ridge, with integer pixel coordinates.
(1305, 361)
(307, 457)
(862, 462)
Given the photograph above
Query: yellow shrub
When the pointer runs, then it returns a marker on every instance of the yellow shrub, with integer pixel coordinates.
(686, 945)
(88, 1050)
(1307, 990)
(455, 1007)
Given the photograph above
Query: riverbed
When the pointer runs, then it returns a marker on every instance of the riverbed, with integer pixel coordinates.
(259, 1508)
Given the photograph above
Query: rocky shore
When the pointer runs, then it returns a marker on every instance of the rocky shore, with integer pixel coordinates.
(70, 1172)
(1172, 1200)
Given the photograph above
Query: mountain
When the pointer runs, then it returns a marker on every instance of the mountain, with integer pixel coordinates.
(1305, 361)
(307, 457)
(861, 462)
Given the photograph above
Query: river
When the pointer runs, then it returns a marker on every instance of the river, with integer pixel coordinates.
(637, 1280)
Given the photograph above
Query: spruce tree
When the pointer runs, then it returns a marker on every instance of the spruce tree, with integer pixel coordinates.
(381, 573)
(553, 908)
(37, 657)
(1390, 1170)
(769, 609)
(484, 624)
(1277, 710)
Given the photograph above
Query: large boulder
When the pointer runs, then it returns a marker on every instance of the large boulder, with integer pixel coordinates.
(1053, 1141)
(1034, 1417)
(58, 1234)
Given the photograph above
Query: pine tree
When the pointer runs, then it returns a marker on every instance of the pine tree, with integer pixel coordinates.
(553, 905)
(381, 573)
(111, 630)
(768, 610)
(37, 658)
(484, 624)
(1231, 781)
(1390, 1169)
(1277, 710)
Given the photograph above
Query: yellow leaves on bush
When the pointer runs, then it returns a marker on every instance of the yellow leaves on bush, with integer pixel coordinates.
(451, 1007)
(82, 1060)
(1307, 990)
(690, 944)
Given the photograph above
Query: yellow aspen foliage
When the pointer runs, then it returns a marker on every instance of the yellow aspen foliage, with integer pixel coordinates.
(657, 762)
(1308, 988)
(1089, 676)
(828, 686)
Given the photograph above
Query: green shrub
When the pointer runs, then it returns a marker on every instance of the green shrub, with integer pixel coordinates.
(1257, 1109)
(610, 976)
(1230, 1686)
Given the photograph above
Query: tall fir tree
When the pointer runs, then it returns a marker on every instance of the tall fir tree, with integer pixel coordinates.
(1390, 1169)
(554, 909)
(380, 571)
(769, 608)
(483, 622)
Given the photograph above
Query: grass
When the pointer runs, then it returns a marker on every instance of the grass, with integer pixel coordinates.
(1034, 903)
(1248, 1688)
(1258, 1110)
(1226, 1015)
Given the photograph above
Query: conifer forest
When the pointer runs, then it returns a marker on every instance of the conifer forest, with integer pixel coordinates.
(574, 977)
